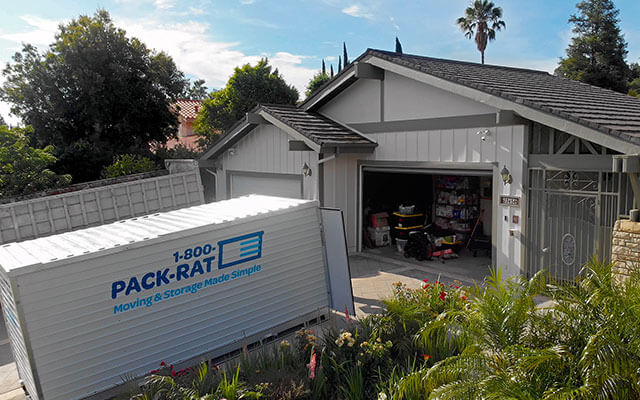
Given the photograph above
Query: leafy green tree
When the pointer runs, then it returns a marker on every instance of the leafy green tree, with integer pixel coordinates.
(634, 84)
(596, 54)
(93, 94)
(481, 21)
(248, 86)
(344, 54)
(316, 82)
(128, 164)
(25, 169)
(196, 90)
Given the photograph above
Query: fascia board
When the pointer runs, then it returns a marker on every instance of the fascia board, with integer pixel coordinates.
(542, 117)
(292, 132)
(220, 146)
(317, 98)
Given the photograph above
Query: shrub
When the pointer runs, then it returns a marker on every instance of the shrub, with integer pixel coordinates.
(128, 164)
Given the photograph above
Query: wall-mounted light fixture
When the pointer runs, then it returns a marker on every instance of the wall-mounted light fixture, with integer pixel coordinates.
(484, 134)
(232, 151)
(306, 170)
(506, 175)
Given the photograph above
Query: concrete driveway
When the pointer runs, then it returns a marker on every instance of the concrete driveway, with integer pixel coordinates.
(373, 274)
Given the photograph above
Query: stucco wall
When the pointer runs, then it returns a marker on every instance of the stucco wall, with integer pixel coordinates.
(266, 150)
(625, 250)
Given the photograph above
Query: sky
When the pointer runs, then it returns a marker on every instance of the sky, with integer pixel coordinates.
(208, 38)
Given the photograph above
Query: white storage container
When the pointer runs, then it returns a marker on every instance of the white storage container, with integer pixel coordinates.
(86, 308)
(380, 235)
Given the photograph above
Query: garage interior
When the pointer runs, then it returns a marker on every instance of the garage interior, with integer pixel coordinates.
(429, 216)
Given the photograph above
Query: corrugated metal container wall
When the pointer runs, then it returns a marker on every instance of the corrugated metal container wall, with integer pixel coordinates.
(81, 342)
(14, 330)
(49, 215)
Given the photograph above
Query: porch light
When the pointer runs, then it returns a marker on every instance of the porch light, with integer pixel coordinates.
(306, 170)
(484, 134)
(506, 175)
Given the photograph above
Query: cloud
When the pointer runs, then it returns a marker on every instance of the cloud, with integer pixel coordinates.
(247, 2)
(394, 24)
(357, 11)
(196, 54)
(41, 36)
(164, 4)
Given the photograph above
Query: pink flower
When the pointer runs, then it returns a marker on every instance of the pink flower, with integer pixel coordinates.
(425, 280)
(346, 315)
(312, 366)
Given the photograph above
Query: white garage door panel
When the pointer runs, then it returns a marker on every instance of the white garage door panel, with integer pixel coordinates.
(267, 184)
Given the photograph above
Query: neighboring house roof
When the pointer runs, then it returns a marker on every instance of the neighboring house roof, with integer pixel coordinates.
(188, 109)
(190, 142)
(317, 131)
(602, 109)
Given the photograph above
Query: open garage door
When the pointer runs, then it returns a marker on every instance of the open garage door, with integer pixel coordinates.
(283, 185)
(436, 215)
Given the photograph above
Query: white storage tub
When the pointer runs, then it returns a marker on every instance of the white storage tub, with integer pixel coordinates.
(86, 308)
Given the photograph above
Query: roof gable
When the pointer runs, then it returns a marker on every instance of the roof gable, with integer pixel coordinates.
(320, 132)
(577, 108)
(608, 111)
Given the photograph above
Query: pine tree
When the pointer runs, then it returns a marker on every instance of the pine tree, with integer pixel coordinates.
(339, 64)
(596, 54)
(324, 68)
(344, 53)
(332, 70)
(398, 46)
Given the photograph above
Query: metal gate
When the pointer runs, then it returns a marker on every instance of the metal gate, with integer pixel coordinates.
(570, 219)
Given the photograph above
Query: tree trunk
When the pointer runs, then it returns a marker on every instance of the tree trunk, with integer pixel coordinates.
(482, 52)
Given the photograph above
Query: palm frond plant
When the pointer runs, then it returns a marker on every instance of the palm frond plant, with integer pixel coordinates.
(481, 20)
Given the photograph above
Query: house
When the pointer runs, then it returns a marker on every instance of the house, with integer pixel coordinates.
(187, 113)
(528, 154)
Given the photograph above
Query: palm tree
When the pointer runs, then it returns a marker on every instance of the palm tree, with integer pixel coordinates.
(483, 19)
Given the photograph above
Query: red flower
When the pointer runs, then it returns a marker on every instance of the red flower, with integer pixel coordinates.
(464, 297)
(442, 295)
(162, 364)
(426, 357)
(425, 280)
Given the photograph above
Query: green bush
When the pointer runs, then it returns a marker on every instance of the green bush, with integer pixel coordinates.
(25, 169)
(449, 342)
(128, 164)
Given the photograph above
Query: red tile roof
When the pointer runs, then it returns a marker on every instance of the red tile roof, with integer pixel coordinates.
(188, 109)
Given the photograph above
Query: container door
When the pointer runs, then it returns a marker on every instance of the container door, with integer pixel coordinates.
(335, 248)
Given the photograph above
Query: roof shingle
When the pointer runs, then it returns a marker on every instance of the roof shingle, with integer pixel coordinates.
(316, 127)
(602, 109)
(188, 109)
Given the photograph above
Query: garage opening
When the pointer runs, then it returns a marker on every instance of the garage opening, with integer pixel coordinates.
(440, 219)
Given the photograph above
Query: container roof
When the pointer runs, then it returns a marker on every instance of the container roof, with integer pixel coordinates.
(134, 232)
